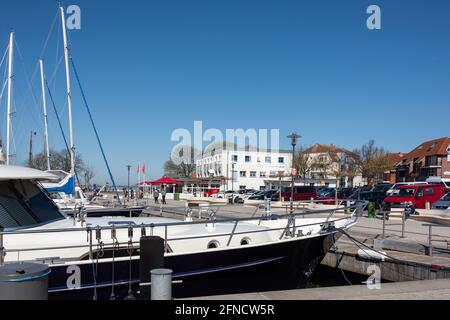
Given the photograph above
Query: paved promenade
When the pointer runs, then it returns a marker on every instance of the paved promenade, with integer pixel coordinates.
(411, 290)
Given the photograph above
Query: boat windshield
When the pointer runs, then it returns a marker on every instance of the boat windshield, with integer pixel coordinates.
(23, 203)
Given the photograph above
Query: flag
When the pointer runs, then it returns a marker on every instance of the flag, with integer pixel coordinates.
(143, 168)
(139, 168)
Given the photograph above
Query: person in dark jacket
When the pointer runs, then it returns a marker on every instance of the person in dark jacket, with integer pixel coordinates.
(163, 195)
(156, 195)
(410, 210)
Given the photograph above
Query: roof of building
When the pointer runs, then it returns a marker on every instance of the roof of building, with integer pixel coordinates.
(429, 148)
(330, 149)
(395, 158)
(235, 147)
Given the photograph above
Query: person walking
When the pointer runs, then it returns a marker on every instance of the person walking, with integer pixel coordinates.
(156, 195)
(163, 194)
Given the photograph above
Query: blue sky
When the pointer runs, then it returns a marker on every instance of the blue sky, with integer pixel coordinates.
(150, 67)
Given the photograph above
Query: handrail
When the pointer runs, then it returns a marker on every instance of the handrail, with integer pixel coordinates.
(430, 236)
(169, 224)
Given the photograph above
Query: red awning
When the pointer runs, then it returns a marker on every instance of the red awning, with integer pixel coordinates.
(164, 180)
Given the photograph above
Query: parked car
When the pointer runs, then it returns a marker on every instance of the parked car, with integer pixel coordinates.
(263, 195)
(300, 193)
(382, 187)
(223, 195)
(362, 189)
(442, 181)
(442, 203)
(322, 191)
(419, 194)
(395, 188)
(210, 192)
(376, 197)
(330, 196)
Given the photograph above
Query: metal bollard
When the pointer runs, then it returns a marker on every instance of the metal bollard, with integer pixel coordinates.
(161, 284)
(403, 224)
(2, 257)
(24, 281)
(430, 241)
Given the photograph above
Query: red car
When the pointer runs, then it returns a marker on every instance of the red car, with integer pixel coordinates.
(300, 193)
(210, 192)
(418, 194)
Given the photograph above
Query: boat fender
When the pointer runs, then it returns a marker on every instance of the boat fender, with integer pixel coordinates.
(372, 255)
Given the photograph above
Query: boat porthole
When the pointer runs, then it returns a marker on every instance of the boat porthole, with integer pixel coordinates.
(213, 244)
(245, 241)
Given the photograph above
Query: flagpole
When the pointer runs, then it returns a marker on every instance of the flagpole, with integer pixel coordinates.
(138, 175)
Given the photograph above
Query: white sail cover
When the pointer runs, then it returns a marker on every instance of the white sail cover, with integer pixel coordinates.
(24, 173)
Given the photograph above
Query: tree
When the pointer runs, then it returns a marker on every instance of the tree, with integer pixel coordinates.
(181, 163)
(88, 175)
(323, 164)
(59, 161)
(302, 163)
(373, 162)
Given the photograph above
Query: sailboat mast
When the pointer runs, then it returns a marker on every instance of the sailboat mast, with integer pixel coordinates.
(8, 112)
(44, 109)
(69, 94)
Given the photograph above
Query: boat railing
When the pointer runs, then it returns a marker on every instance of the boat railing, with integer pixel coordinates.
(94, 233)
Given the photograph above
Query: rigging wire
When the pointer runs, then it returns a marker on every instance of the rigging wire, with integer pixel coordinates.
(4, 56)
(49, 33)
(29, 81)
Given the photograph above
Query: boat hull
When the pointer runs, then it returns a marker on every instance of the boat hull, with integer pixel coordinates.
(279, 265)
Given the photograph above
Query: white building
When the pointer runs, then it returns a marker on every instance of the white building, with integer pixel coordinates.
(327, 162)
(244, 169)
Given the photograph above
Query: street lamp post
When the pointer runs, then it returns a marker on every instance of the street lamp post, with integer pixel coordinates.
(128, 193)
(232, 182)
(293, 137)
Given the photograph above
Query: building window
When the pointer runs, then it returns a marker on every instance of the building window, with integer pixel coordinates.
(243, 174)
(281, 160)
(252, 174)
(262, 174)
(234, 158)
(248, 159)
(262, 188)
(268, 160)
